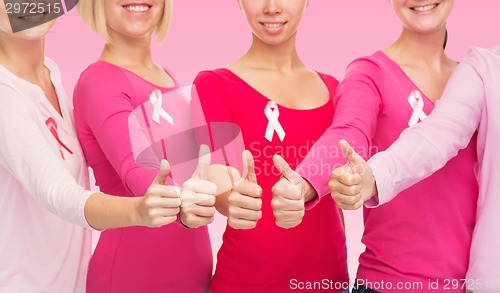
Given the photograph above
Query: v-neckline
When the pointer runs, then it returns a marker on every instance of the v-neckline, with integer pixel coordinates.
(162, 88)
(59, 117)
(396, 65)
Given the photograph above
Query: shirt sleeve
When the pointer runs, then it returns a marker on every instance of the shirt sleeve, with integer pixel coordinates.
(426, 147)
(214, 101)
(356, 107)
(103, 98)
(29, 157)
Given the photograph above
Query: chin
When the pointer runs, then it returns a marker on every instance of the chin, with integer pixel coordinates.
(32, 34)
(136, 31)
(271, 41)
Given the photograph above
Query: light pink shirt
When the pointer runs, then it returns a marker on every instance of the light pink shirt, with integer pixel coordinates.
(39, 251)
(470, 102)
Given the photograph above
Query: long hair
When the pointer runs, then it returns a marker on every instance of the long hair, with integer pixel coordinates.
(445, 39)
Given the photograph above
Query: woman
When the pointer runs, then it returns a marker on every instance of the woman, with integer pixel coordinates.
(468, 104)
(170, 259)
(43, 175)
(409, 244)
(280, 106)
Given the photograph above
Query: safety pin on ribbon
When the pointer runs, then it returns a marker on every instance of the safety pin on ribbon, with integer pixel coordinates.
(52, 126)
(417, 104)
(272, 113)
(156, 100)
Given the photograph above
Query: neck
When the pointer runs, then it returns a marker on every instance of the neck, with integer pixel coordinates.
(282, 57)
(416, 49)
(128, 52)
(24, 58)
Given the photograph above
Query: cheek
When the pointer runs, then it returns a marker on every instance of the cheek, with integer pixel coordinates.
(158, 15)
(449, 9)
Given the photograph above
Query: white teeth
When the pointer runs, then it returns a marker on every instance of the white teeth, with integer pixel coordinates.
(273, 25)
(137, 8)
(425, 8)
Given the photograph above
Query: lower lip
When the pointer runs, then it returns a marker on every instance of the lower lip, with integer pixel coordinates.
(38, 19)
(425, 12)
(137, 12)
(274, 30)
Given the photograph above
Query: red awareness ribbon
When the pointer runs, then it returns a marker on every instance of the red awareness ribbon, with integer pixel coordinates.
(52, 126)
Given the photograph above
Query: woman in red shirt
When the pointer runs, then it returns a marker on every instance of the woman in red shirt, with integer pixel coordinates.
(281, 107)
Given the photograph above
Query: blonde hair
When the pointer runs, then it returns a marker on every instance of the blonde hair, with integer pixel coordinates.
(92, 13)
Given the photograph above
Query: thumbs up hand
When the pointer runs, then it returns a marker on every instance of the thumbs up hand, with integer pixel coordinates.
(288, 201)
(352, 184)
(160, 205)
(198, 194)
(245, 201)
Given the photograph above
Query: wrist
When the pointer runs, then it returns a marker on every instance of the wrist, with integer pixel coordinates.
(309, 192)
(135, 214)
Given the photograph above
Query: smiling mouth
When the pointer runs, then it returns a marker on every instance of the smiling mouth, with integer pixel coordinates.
(273, 25)
(32, 17)
(425, 8)
(137, 7)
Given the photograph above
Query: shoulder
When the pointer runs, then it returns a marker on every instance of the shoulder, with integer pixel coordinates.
(330, 81)
(481, 58)
(375, 70)
(52, 66)
(374, 63)
(218, 81)
(103, 72)
(103, 77)
(217, 75)
(14, 101)
(11, 91)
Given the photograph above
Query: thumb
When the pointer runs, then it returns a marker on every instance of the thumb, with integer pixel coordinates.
(161, 177)
(249, 167)
(204, 159)
(352, 157)
(285, 170)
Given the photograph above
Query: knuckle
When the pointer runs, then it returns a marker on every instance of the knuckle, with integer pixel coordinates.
(275, 204)
(251, 225)
(232, 211)
(148, 203)
(211, 200)
(231, 222)
(259, 204)
(152, 213)
(151, 190)
(171, 219)
(332, 184)
(211, 211)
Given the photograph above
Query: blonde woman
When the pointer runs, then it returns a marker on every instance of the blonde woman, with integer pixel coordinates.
(169, 259)
(44, 206)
